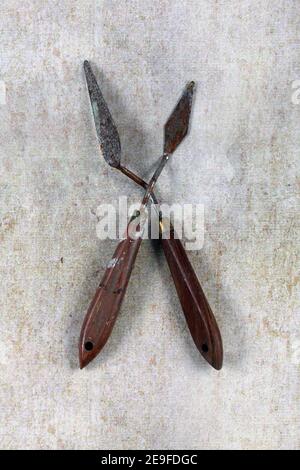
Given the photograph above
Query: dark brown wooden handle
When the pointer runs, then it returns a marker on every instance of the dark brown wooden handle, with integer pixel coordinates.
(198, 314)
(105, 306)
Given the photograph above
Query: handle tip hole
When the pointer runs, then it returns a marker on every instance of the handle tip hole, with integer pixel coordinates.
(204, 348)
(88, 346)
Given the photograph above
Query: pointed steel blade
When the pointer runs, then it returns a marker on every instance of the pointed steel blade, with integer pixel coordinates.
(107, 132)
(177, 126)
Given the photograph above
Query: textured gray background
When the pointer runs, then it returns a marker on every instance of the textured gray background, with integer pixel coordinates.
(150, 388)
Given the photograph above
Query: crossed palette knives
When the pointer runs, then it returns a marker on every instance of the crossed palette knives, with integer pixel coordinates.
(105, 306)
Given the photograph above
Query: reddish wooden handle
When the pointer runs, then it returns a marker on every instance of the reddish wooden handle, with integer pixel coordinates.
(105, 306)
(198, 314)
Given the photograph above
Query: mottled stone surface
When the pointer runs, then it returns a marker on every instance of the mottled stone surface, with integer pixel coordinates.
(149, 388)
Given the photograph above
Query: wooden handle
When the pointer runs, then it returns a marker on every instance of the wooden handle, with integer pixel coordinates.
(198, 314)
(105, 306)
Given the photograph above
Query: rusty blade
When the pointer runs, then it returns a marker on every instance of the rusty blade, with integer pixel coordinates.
(177, 126)
(107, 132)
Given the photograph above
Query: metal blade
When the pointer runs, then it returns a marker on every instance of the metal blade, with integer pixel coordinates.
(177, 126)
(107, 133)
